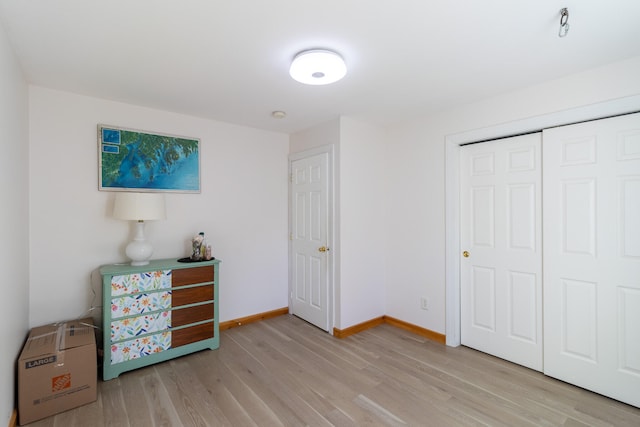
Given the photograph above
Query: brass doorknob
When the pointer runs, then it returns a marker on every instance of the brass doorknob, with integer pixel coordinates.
(323, 249)
(465, 254)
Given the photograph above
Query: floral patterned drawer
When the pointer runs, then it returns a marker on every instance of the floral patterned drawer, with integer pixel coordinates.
(140, 303)
(140, 347)
(136, 326)
(140, 282)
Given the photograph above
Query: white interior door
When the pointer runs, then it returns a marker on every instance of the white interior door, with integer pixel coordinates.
(592, 255)
(500, 230)
(310, 239)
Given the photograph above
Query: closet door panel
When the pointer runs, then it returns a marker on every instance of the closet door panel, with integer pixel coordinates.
(591, 255)
(501, 290)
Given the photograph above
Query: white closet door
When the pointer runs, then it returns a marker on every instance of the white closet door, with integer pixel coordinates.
(591, 179)
(501, 290)
(309, 239)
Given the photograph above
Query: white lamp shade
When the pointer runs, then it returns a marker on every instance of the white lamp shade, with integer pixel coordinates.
(317, 67)
(139, 206)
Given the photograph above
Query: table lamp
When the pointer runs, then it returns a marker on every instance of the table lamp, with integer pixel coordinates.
(139, 207)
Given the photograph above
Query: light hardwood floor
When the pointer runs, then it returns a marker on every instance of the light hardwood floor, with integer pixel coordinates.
(284, 372)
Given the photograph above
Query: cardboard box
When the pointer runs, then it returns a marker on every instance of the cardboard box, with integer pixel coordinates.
(57, 369)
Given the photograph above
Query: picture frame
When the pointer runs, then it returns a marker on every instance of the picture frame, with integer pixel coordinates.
(135, 160)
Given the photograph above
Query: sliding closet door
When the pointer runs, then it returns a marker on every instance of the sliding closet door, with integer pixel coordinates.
(591, 179)
(500, 231)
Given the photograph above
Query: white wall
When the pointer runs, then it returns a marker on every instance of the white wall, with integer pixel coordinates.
(416, 242)
(363, 219)
(14, 225)
(323, 134)
(360, 215)
(242, 207)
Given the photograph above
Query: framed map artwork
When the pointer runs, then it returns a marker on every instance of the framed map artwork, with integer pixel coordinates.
(133, 160)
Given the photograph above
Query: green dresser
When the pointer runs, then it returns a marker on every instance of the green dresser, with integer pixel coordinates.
(158, 311)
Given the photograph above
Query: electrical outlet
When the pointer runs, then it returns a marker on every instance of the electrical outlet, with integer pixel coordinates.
(424, 303)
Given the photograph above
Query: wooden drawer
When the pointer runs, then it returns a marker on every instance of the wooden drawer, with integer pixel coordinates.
(191, 334)
(184, 316)
(182, 297)
(191, 276)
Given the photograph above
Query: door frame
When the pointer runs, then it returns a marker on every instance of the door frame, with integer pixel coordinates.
(453, 142)
(331, 216)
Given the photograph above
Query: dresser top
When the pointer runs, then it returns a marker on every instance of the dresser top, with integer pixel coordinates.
(156, 264)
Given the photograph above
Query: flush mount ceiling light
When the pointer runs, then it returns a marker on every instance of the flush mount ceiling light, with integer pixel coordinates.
(317, 67)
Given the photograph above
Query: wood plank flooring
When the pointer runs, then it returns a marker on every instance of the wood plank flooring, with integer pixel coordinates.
(285, 372)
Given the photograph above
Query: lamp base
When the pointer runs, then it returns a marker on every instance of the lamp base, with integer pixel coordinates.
(139, 250)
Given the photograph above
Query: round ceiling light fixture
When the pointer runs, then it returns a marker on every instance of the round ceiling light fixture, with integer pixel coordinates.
(317, 67)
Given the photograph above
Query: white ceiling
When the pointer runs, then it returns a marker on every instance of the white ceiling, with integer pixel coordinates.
(228, 60)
